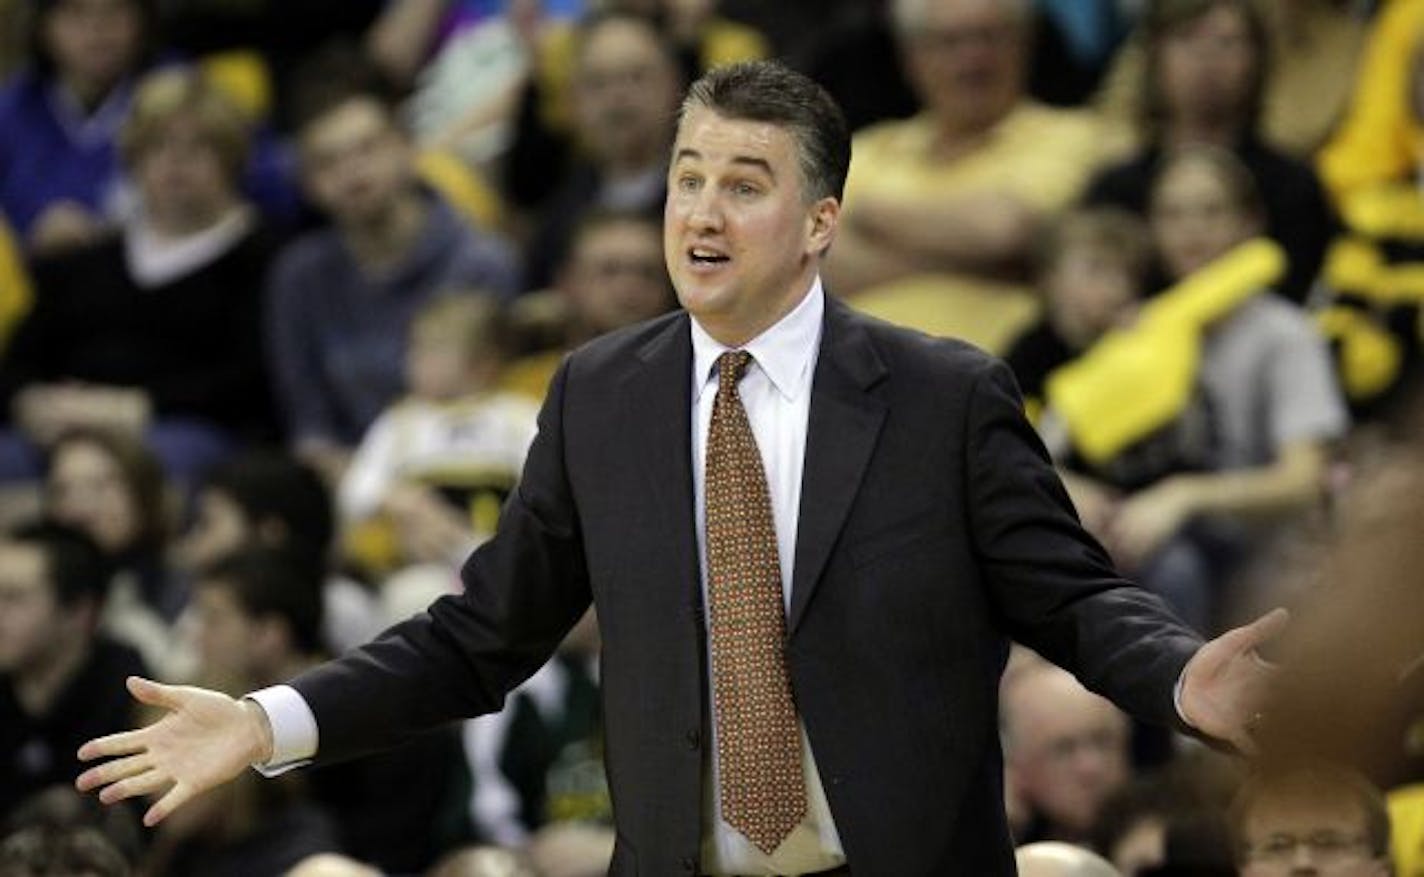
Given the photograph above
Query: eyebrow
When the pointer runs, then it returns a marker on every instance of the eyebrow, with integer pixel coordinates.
(751, 161)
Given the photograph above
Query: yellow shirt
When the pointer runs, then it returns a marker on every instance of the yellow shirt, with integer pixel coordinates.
(1039, 155)
(15, 292)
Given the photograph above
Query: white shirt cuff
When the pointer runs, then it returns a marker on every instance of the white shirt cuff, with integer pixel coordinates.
(1176, 699)
(294, 735)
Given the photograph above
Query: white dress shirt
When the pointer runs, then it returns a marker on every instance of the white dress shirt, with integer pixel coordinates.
(776, 393)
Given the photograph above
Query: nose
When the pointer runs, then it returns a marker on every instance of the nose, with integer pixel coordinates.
(705, 211)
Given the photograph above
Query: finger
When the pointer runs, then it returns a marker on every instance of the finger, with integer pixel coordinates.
(1244, 743)
(122, 743)
(153, 693)
(144, 784)
(1250, 636)
(111, 771)
(164, 807)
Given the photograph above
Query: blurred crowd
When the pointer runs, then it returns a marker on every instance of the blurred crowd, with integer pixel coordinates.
(282, 286)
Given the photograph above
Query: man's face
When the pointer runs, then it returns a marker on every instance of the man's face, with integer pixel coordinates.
(356, 162)
(1068, 749)
(616, 276)
(965, 59)
(627, 93)
(1308, 838)
(31, 619)
(219, 528)
(740, 238)
(226, 635)
(95, 41)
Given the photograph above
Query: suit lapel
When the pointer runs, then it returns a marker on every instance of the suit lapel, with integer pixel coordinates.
(657, 405)
(844, 423)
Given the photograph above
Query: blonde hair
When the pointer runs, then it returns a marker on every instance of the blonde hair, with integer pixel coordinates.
(472, 316)
(171, 93)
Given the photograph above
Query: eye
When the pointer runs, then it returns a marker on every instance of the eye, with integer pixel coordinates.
(745, 190)
(688, 183)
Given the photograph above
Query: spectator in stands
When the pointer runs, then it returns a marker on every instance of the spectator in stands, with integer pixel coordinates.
(111, 487)
(1065, 749)
(953, 198)
(1315, 50)
(1316, 820)
(626, 88)
(156, 330)
(612, 276)
(1091, 270)
(1206, 77)
(42, 852)
(341, 298)
(545, 149)
(62, 118)
(1249, 404)
(438, 465)
(259, 621)
(60, 679)
(272, 500)
(1150, 823)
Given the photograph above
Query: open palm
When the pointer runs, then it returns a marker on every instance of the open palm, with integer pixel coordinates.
(205, 739)
(1225, 683)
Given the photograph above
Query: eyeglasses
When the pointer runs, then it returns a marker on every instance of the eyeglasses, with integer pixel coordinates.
(1324, 847)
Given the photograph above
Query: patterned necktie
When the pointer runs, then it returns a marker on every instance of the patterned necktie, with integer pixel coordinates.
(758, 739)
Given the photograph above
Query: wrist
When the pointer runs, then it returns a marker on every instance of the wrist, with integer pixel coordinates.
(262, 746)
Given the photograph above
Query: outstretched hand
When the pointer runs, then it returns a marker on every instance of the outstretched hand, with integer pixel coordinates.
(205, 739)
(1224, 685)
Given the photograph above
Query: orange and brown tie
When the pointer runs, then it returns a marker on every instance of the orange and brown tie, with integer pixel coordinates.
(758, 739)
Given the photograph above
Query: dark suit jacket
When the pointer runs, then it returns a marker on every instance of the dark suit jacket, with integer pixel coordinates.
(932, 529)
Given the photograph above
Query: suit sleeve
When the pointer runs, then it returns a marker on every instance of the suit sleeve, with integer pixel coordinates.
(1052, 584)
(523, 590)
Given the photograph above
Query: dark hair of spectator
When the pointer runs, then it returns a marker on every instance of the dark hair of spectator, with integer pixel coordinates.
(267, 582)
(1109, 230)
(142, 475)
(1319, 782)
(768, 91)
(75, 567)
(1162, 18)
(41, 852)
(333, 76)
(43, 62)
(274, 488)
(60, 809)
(1236, 177)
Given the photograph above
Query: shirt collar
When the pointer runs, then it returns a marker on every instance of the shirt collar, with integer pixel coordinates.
(783, 352)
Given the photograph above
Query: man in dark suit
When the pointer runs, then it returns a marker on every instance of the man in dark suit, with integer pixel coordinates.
(808, 535)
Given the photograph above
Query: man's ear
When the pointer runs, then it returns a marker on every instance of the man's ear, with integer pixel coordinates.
(824, 216)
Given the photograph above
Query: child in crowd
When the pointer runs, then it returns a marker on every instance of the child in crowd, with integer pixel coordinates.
(438, 465)
(1209, 420)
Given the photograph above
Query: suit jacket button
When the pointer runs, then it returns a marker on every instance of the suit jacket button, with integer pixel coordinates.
(694, 739)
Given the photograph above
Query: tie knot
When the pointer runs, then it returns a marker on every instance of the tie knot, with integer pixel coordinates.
(731, 366)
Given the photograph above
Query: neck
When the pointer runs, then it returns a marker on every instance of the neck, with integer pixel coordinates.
(87, 92)
(737, 333)
(38, 688)
(390, 236)
(1222, 131)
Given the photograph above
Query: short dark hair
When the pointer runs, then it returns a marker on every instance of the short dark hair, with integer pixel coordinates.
(273, 486)
(74, 565)
(270, 581)
(1112, 230)
(1313, 782)
(769, 91)
(337, 73)
(39, 851)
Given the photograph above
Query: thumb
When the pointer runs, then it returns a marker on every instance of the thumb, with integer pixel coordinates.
(1265, 628)
(153, 693)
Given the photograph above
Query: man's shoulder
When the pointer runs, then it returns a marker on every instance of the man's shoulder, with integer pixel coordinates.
(630, 344)
(906, 350)
(307, 258)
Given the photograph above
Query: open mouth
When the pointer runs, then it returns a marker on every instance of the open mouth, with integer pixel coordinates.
(707, 256)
